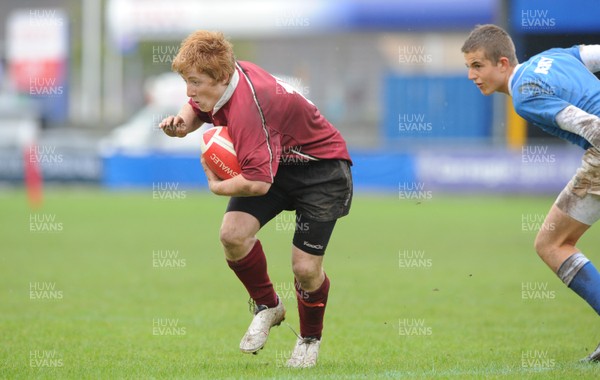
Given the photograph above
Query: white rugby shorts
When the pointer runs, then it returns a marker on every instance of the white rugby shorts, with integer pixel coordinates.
(580, 199)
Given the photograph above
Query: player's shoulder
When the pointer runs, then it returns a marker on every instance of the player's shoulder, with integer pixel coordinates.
(252, 76)
(258, 79)
(254, 71)
(247, 65)
(539, 68)
(568, 55)
(573, 50)
(253, 83)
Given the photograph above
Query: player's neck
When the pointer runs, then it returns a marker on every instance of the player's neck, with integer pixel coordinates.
(505, 88)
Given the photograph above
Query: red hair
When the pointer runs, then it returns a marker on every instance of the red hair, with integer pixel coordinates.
(207, 52)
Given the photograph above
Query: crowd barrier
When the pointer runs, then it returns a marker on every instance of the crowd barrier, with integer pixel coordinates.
(532, 169)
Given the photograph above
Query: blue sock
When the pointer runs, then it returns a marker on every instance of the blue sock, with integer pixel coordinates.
(586, 284)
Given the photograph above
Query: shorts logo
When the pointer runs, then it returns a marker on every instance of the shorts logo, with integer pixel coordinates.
(313, 246)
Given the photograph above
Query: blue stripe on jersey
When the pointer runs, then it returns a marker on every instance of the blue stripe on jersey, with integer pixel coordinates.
(550, 81)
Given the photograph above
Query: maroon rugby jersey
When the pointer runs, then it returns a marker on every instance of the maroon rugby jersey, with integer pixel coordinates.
(272, 124)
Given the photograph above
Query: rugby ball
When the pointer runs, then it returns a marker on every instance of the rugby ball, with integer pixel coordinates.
(219, 154)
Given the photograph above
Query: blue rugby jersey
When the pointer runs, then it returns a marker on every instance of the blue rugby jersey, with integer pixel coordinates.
(550, 81)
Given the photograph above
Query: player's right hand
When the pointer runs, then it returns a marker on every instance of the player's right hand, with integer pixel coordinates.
(174, 126)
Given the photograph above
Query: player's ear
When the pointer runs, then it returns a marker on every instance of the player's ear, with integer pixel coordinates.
(503, 63)
(227, 79)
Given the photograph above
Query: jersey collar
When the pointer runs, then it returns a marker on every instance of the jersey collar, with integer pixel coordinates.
(235, 78)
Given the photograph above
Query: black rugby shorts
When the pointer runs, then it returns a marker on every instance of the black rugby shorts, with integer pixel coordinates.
(319, 191)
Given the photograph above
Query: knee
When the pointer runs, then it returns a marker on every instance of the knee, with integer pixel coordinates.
(307, 274)
(231, 237)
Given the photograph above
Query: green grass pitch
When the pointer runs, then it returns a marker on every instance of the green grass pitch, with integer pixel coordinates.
(109, 285)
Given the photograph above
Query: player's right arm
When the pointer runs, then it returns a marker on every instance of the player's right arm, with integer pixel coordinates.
(186, 121)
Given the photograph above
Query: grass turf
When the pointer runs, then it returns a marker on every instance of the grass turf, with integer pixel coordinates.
(447, 287)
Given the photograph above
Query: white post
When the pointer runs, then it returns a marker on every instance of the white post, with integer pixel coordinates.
(113, 84)
(91, 62)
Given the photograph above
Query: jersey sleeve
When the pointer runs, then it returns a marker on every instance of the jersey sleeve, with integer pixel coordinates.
(536, 101)
(205, 117)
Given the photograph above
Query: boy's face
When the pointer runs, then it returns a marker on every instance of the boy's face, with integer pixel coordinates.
(489, 77)
(204, 90)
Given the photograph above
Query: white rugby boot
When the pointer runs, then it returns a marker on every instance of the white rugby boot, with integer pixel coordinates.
(258, 331)
(305, 353)
(594, 356)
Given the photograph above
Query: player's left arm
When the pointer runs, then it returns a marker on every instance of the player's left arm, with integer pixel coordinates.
(237, 186)
(590, 56)
(576, 120)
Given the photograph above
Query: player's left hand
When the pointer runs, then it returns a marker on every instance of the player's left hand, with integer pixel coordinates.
(213, 180)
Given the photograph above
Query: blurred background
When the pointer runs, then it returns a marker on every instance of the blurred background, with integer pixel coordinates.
(85, 83)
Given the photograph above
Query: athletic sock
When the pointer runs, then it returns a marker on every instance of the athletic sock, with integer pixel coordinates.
(252, 272)
(579, 274)
(311, 308)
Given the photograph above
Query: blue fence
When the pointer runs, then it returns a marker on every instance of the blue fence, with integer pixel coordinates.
(533, 169)
(372, 170)
(123, 171)
(432, 108)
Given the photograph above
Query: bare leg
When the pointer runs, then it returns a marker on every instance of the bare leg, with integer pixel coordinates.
(238, 234)
(557, 238)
